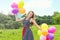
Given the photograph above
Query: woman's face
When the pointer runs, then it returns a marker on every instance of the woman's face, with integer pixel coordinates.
(30, 14)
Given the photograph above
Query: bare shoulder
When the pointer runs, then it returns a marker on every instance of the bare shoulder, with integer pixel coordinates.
(32, 19)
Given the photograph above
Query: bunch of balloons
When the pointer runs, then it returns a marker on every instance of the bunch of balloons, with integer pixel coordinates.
(18, 8)
(46, 33)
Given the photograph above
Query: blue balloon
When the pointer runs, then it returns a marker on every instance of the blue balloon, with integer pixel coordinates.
(19, 15)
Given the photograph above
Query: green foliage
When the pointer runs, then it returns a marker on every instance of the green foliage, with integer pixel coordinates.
(56, 18)
(8, 21)
(2, 26)
(44, 19)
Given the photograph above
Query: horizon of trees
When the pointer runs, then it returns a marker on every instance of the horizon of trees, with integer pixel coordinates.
(8, 21)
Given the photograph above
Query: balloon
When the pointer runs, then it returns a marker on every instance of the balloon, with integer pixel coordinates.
(50, 39)
(42, 37)
(47, 38)
(19, 15)
(39, 32)
(21, 10)
(15, 11)
(10, 13)
(44, 26)
(20, 4)
(51, 29)
(45, 33)
(14, 5)
(51, 36)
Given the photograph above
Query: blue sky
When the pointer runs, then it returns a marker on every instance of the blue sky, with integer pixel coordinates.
(40, 7)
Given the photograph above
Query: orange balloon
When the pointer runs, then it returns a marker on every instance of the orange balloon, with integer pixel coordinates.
(22, 10)
(45, 33)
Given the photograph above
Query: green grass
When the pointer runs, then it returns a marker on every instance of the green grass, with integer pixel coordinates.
(15, 34)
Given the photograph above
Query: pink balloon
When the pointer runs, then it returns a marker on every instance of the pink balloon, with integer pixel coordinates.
(14, 5)
(47, 37)
(51, 29)
(42, 37)
(10, 13)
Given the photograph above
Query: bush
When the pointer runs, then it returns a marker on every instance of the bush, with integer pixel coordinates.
(2, 26)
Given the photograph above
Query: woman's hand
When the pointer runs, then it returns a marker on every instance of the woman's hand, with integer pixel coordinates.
(17, 19)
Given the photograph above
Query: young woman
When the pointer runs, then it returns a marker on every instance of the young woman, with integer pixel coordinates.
(27, 33)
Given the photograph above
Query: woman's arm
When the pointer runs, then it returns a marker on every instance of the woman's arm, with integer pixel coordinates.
(21, 19)
(34, 22)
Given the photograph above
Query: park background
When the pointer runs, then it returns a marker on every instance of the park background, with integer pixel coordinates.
(47, 11)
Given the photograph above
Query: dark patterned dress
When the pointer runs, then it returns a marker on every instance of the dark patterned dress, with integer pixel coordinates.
(27, 33)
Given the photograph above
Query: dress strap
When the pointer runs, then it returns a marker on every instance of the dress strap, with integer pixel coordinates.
(28, 19)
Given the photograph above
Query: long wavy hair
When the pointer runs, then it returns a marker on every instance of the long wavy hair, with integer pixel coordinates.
(32, 15)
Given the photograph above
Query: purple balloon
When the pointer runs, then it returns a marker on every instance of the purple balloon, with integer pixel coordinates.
(51, 29)
(51, 36)
(14, 5)
(51, 39)
(15, 11)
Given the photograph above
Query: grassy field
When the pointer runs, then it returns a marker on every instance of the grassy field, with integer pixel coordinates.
(15, 34)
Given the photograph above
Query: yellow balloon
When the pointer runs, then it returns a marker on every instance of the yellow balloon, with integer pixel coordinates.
(39, 32)
(20, 4)
(44, 26)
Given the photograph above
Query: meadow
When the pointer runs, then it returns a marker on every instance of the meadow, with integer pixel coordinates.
(15, 34)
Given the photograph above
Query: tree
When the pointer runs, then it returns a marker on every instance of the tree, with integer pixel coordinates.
(8, 22)
(56, 18)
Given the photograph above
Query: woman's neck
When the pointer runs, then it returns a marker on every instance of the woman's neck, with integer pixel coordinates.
(27, 18)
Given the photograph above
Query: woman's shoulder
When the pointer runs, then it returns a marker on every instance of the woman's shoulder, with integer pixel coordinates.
(32, 19)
